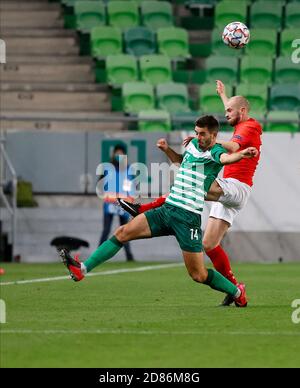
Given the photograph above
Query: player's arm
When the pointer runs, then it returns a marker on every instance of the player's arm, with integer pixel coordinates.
(247, 153)
(230, 146)
(163, 145)
(222, 92)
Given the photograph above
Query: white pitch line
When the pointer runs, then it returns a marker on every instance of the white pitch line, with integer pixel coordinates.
(111, 272)
(148, 332)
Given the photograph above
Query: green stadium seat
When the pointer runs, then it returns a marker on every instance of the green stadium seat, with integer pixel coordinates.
(287, 38)
(228, 11)
(156, 69)
(173, 97)
(121, 68)
(105, 41)
(209, 101)
(286, 71)
(292, 15)
(156, 15)
(123, 14)
(184, 121)
(263, 42)
(256, 94)
(288, 126)
(222, 68)
(137, 96)
(257, 70)
(140, 41)
(89, 14)
(285, 97)
(162, 121)
(173, 42)
(266, 14)
(219, 48)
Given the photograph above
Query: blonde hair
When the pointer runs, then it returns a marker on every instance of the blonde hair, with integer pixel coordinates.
(241, 102)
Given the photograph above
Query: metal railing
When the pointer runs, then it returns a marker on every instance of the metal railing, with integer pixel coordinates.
(7, 172)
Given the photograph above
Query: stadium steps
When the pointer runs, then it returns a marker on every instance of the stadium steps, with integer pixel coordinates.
(47, 18)
(45, 86)
(32, 72)
(41, 46)
(62, 122)
(46, 59)
(44, 77)
(41, 5)
(54, 101)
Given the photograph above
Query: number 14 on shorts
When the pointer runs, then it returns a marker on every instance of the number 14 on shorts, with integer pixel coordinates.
(194, 234)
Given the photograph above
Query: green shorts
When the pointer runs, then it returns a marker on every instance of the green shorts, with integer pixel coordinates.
(169, 220)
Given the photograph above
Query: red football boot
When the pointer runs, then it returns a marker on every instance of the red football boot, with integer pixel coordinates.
(241, 301)
(73, 264)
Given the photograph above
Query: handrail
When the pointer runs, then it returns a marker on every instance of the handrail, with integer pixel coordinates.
(11, 208)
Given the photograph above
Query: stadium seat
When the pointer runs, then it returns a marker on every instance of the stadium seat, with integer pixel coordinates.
(137, 96)
(139, 41)
(123, 14)
(121, 68)
(219, 48)
(286, 71)
(89, 14)
(209, 101)
(173, 97)
(256, 94)
(155, 69)
(162, 121)
(173, 42)
(285, 97)
(257, 70)
(287, 126)
(156, 15)
(228, 11)
(105, 41)
(184, 121)
(266, 14)
(263, 43)
(292, 15)
(287, 38)
(223, 68)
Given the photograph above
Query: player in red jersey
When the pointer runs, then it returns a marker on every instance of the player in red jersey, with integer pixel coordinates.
(231, 192)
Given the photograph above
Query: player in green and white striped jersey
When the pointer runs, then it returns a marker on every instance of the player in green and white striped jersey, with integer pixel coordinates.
(180, 216)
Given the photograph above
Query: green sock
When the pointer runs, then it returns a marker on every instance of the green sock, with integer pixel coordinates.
(105, 252)
(218, 282)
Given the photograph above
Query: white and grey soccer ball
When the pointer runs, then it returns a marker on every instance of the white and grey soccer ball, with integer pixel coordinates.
(236, 35)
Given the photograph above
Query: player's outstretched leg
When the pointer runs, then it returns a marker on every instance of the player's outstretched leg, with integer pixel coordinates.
(73, 264)
(135, 208)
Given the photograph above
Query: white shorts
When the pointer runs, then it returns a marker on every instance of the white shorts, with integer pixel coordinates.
(236, 195)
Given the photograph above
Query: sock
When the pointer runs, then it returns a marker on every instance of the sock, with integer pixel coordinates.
(152, 205)
(105, 252)
(218, 282)
(221, 263)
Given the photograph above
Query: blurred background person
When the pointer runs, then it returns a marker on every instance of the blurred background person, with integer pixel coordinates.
(120, 181)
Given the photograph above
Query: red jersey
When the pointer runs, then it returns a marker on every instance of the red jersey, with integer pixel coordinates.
(246, 134)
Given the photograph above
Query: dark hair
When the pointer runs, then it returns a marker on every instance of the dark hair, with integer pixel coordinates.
(209, 122)
(120, 147)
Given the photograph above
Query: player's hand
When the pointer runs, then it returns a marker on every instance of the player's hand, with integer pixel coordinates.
(220, 87)
(187, 140)
(162, 144)
(250, 152)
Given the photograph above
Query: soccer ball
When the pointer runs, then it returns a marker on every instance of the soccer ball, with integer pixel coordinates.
(236, 35)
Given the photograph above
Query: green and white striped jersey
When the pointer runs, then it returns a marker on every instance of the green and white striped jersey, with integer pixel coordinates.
(196, 173)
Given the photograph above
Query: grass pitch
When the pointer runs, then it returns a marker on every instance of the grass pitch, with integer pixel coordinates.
(151, 318)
